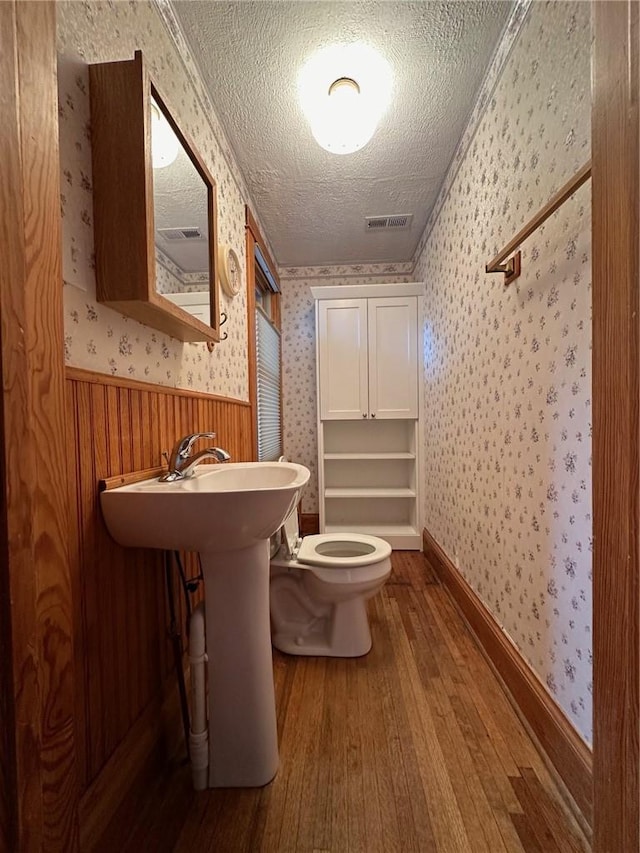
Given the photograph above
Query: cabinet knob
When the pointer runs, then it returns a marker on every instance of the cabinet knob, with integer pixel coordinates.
(373, 416)
(364, 414)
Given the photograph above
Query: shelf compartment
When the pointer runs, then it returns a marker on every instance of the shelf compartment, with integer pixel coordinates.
(369, 512)
(331, 457)
(377, 530)
(369, 492)
(383, 474)
(369, 436)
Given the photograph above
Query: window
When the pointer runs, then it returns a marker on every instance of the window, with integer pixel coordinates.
(268, 367)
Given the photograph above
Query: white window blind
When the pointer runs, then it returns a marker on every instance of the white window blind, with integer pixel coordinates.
(268, 370)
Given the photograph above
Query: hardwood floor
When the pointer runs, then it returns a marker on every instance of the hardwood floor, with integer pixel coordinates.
(412, 748)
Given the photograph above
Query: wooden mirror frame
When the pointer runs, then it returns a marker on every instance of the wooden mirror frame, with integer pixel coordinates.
(121, 93)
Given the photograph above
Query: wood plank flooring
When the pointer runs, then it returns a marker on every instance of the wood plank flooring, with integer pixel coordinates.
(414, 747)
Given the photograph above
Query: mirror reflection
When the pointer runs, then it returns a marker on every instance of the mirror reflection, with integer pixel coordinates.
(180, 203)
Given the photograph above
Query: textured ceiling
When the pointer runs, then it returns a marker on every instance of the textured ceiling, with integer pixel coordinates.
(180, 200)
(312, 203)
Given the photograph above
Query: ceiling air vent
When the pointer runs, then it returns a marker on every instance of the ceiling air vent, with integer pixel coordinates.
(181, 233)
(397, 222)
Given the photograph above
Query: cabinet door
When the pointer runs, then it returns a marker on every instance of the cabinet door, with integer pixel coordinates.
(393, 357)
(342, 359)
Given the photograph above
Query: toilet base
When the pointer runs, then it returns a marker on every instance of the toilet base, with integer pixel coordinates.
(343, 633)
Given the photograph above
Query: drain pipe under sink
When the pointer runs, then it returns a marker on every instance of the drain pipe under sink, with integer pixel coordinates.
(199, 733)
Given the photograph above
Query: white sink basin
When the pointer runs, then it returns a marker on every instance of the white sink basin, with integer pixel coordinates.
(227, 512)
(222, 507)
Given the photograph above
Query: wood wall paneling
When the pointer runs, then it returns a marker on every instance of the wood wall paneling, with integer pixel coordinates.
(39, 809)
(124, 656)
(616, 421)
(566, 751)
(108, 806)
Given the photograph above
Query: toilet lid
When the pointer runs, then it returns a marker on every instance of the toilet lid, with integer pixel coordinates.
(342, 550)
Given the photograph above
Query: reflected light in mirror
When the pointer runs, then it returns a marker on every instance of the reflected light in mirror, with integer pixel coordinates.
(164, 142)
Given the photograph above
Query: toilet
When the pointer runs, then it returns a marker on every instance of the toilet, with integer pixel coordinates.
(318, 589)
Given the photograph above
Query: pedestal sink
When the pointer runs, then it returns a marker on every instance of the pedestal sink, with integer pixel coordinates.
(227, 513)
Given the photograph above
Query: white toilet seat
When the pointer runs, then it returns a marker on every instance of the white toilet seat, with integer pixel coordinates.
(342, 550)
(374, 566)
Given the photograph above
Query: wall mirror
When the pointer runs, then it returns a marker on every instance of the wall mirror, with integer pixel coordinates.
(154, 208)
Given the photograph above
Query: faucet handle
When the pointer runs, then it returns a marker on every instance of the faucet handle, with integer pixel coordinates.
(186, 444)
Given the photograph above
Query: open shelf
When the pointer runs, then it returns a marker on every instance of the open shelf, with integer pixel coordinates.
(369, 479)
(364, 492)
(368, 509)
(357, 439)
(383, 530)
(369, 456)
(370, 473)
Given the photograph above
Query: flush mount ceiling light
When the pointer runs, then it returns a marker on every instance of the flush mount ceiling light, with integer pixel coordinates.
(344, 91)
(164, 143)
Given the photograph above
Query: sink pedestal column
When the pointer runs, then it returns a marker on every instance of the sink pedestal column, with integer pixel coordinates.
(243, 736)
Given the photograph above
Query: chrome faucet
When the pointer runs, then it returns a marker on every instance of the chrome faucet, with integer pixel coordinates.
(182, 463)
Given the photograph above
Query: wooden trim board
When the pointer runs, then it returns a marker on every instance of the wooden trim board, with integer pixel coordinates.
(38, 771)
(615, 132)
(79, 374)
(252, 226)
(569, 755)
(309, 523)
(129, 478)
(250, 242)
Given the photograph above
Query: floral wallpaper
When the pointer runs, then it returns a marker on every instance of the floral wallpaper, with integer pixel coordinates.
(507, 486)
(96, 337)
(171, 278)
(299, 400)
(167, 279)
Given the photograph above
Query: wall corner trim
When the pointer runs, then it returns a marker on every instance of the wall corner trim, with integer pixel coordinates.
(567, 753)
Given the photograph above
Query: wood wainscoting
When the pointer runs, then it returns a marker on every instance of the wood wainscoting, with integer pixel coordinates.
(566, 751)
(123, 659)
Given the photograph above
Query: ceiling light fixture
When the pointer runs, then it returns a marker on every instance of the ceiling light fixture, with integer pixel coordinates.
(164, 143)
(344, 91)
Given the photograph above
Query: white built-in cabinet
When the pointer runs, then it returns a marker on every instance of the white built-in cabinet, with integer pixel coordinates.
(368, 410)
(367, 357)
